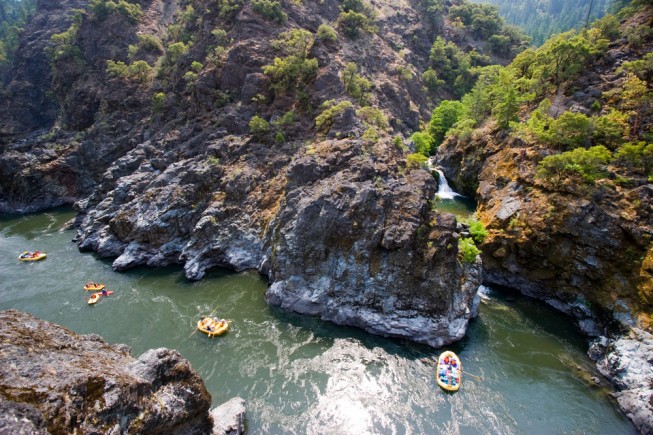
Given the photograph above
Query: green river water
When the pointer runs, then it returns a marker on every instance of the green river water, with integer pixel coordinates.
(301, 375)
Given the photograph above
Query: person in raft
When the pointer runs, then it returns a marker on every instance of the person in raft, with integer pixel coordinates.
(104, 292)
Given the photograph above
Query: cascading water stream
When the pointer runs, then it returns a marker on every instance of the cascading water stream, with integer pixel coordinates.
(444, 190)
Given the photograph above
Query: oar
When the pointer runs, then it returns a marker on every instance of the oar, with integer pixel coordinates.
(473, 376)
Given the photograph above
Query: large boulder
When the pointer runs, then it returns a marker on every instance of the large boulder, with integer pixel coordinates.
(54, 380)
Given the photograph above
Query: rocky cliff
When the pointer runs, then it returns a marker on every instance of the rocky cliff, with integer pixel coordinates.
(252, 135)
(576, 233)
(55, 381)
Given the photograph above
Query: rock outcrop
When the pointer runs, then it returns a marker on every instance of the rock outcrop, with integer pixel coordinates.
(628, 363)
(55, 381)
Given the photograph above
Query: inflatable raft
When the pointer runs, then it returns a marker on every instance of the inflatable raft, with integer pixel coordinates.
(32, 256)
(212, 326)
(93, 287)
(449, 371)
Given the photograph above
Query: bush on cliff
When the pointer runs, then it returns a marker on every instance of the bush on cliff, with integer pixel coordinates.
(296, 69)
(103, 8)
(581, 165)
(467, 250)
(271, 10)
(330, 111)
(356, 85)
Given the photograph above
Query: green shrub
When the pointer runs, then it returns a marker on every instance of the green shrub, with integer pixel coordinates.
(258, 127)
(326, 33)
(431, 80)
(477, 231)
(467, 250)
(371, 136)
(150, 43)
(279, 138)
(220, 37)
(331, 109)
(64, 45)
(117, 69)
(373, 117)
(355, 84)
(175, 51)
(191, 78)
(353, 23)
(580, 164)
(158, 102)
(228, 8)
(288, 73)
(571, 130)
(422, 141)
(138, 71)
(416, 161)
(636, 156)
(103, 8)
(271, 10)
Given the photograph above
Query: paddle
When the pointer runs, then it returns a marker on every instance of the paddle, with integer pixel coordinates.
(473, 376)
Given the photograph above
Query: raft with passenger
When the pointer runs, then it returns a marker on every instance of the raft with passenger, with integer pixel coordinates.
(212, 326)
(93, 286)
(32, 256)
(449, 371)
(96, 296)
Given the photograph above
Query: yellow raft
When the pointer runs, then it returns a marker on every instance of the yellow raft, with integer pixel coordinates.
(212, 327)
(32, 256)
(93, 287)
(449, 371)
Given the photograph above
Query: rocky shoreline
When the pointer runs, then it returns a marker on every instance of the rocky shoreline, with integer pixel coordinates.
(627, 362)
(55, 381)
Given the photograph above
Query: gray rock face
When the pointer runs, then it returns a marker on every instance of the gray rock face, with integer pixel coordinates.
(628, 363)
(368, 254)
(54, 380)
(229, 418)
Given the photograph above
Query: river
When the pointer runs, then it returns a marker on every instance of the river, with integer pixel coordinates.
(301, 375)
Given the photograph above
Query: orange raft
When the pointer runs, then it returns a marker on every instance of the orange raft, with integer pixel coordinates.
(32, 256)
(93, 287)
(212, 326)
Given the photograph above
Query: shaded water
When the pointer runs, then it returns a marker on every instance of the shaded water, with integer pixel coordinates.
(301, 375)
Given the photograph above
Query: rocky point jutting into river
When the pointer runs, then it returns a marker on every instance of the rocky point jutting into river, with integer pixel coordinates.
(55, 381)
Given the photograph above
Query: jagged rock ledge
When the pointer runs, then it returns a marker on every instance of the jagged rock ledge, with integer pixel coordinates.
(55, 381)
(628, 363)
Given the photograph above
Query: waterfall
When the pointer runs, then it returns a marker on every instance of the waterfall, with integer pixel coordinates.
(444, 191)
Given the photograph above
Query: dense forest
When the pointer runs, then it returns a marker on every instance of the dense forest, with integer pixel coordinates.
(542, 18)
(13, 15)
